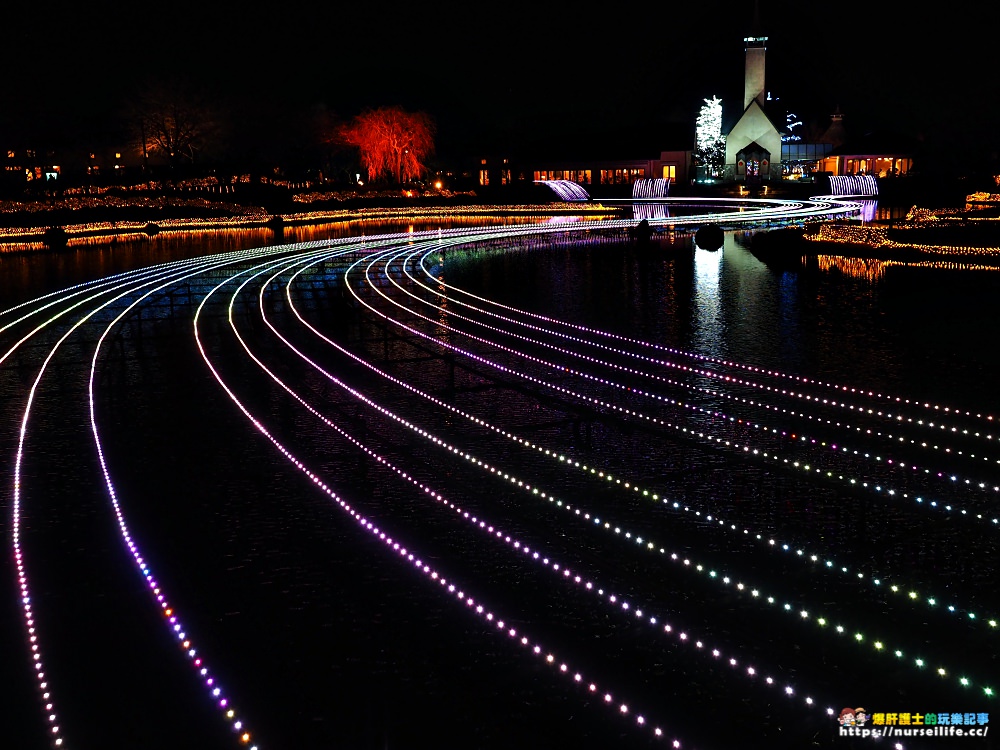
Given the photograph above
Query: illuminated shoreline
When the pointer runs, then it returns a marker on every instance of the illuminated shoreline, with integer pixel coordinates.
(28, 239)
(723, 211)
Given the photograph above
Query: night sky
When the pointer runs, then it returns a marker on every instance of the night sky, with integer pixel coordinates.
(614, 76)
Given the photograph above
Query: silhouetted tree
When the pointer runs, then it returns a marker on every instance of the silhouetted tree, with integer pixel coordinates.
(392, 142)
(171, 121)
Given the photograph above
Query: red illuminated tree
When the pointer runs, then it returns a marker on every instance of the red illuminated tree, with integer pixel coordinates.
(392, 142)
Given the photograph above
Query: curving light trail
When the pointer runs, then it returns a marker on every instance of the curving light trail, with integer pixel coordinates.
(542, 530)
(372, 261)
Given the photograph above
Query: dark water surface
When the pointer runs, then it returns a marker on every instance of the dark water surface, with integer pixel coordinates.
(324, 638)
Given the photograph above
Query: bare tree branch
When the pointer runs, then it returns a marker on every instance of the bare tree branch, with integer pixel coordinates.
(174, 123)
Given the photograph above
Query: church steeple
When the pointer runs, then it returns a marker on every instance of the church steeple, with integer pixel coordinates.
(756, 46)
(753, 145)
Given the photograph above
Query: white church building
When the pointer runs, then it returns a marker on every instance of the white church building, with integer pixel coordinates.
(753, 146)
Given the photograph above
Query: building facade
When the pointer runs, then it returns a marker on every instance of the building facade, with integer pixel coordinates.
(611, 175)
(753, 145)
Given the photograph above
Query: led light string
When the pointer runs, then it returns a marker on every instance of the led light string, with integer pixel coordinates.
(19, 556)
(139, 279)
(791, 464)
(695, 371)
(691, 432)
(686, 431)
(720, 394)
(830, 566)
(491, 530)
(821, 621)
(718, 360)
(171, 618)
(611, 383)
(441, 443)
(471, 604)
(825, 401)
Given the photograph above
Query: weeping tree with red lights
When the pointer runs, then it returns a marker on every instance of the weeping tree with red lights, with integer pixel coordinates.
(392, 142)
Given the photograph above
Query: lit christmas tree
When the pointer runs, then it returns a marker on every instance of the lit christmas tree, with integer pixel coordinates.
(710, 144)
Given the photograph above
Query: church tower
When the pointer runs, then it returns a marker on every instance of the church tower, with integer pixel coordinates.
(753, 146)
(756, 46)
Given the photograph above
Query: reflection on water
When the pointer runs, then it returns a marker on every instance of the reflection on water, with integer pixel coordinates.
(658, 210)
(34, 270)
(829, 316)
(709, 325)
(869, 210)
(873, 210)
(650, 211)
(868, 269)
(882, 212)
(872, 269)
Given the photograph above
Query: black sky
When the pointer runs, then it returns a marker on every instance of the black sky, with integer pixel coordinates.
(495, 76)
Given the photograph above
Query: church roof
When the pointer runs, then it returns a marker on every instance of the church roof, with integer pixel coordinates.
(835, 134)
(754, 103)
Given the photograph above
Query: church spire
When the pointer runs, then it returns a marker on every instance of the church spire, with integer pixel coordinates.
(756, 45)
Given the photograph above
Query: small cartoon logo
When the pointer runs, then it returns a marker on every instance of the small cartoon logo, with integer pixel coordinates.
(847, 717)
(860, 717)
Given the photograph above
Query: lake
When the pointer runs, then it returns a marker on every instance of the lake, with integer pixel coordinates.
(709, 501)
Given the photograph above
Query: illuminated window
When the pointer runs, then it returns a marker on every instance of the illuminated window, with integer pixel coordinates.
(484, 176)
(670, 172)
(10, 154)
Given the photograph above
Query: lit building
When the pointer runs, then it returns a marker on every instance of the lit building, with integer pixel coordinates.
(24, 165)
(614, 176)
(753, 146)
(878, 154)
